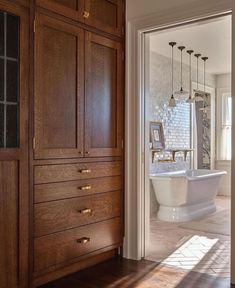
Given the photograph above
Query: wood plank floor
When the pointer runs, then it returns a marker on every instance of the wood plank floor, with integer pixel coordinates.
(142, 274)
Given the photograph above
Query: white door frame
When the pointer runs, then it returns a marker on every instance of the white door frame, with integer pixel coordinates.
(134, 142)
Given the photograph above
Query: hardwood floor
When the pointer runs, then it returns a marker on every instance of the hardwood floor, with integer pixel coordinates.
(142, 274)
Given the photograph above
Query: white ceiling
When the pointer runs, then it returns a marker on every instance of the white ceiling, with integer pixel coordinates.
(210, 38)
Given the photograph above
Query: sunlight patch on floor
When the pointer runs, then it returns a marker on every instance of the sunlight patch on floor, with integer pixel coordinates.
(191, 253)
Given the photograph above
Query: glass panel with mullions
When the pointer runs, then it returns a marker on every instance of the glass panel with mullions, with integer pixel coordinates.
(12, 36)
(1, 34)
(1, 80)
(9, 80)
(1, 125)
(12, 81)
(12, 126)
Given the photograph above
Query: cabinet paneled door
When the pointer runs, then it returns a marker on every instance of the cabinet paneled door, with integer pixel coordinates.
(58, 89)
(103, 99)
(105, 15)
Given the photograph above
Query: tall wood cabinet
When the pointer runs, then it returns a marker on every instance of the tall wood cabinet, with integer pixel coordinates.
(77, 164)
(61, 137)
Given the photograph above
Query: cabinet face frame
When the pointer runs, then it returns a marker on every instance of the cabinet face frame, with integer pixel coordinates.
(63, 10)
(19, 155)
(89, 150)
(99, 24)
(53, 153)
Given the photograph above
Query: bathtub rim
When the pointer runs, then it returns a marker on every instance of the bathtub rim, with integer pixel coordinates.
(182, 174)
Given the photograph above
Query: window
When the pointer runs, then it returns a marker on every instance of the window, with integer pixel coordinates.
(225, 125)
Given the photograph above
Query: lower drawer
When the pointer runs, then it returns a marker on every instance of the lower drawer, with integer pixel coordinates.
(77, 171)
(72, 189)
(59, 215)
(61, 247)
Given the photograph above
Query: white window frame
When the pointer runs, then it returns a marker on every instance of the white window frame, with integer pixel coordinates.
(219, 113)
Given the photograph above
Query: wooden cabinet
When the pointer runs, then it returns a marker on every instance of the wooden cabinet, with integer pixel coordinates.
(78, 128)
(103, 98)
(105, 15)
(62, 130)
(14, 196)
(59, 86)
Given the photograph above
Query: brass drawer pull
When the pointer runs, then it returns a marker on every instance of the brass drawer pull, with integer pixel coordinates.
(85, 171)
(87, 187)
(86, 14)
(84, 240)
(85, 211)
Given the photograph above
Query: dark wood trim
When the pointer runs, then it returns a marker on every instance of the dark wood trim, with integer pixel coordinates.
(9, 154)
(24, 3)
(102, 256)
(76, 160)
(30, 136)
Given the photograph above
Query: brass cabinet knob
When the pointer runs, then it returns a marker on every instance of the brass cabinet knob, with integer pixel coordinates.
(85, 211)
(84, 240)
(86, 187)
(86, 14)
(87, 152)
(85, 171)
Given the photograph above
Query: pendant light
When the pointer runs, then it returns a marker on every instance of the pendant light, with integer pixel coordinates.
(190, 99)
(197, 92)
(206, 108)
(181, 91)
(172, 103)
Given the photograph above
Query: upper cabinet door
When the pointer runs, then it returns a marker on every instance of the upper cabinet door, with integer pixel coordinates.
(104, 97)
(69, 8)
(59, 89)
(105, 15)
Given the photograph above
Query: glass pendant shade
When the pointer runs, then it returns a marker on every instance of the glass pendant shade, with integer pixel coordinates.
(206, 108)
(181, 91)
(190, 98)
(197, 95)
(172, 102)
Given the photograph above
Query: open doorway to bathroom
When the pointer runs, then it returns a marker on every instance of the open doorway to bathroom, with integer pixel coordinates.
(188, 147)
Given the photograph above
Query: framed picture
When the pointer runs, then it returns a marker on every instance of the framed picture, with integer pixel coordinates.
(157, 135)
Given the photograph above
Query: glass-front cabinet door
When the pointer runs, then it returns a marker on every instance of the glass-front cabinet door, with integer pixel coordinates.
(9, 80)
(13, 144)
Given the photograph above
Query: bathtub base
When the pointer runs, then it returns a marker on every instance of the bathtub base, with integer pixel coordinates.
(185, 213)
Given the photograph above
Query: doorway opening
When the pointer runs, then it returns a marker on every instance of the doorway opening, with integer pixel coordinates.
(188, 147)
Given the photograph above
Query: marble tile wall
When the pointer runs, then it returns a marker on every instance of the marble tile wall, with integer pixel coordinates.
(176, 121)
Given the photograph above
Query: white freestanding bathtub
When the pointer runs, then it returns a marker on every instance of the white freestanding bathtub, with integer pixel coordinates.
(186, 195)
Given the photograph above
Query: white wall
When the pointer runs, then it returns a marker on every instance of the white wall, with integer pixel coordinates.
(138, 8)
(223, 83)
